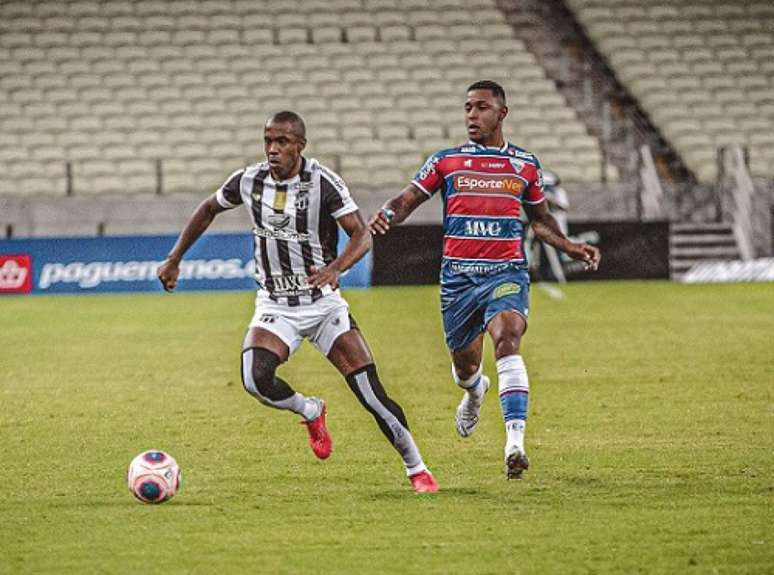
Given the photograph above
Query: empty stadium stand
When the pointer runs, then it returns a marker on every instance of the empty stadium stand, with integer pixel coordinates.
(702, 69)
(109, 97)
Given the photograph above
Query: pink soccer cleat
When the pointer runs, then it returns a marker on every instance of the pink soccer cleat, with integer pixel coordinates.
(319, 438)
(423, 482)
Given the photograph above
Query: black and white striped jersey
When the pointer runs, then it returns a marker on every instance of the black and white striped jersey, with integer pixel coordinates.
(294, 223)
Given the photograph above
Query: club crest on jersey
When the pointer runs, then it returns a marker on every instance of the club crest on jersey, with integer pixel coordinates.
(279, 221)
(302, 200)
(517, 165)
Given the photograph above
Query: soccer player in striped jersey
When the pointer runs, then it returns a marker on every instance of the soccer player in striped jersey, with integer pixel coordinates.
(296, 206)
(484, 185)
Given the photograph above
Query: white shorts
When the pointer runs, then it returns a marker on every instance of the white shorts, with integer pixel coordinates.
(320, 322)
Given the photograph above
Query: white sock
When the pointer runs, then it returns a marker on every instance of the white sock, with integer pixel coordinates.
(472, 385)
(513, 384)
(514, 434)
(413, 470)
(306, 407)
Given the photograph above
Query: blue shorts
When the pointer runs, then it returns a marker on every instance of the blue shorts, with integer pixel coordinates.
(469, 302)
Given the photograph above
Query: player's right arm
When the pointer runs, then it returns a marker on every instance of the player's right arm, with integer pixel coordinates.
(397, 209)
(200, 220)
(227, 197)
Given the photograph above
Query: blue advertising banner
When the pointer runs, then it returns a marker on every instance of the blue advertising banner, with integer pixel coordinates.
(129, 263)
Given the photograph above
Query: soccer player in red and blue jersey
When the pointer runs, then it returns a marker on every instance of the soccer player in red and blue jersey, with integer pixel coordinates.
(484, 185)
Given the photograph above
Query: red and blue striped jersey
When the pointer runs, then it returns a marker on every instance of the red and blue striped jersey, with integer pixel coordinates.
(483, 190)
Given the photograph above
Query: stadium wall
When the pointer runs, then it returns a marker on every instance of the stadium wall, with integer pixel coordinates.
(408, 255)
(631, 250)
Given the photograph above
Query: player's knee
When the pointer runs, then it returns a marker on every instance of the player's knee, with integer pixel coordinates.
(508, 341)
(507, 330)
(466, 369)
(508, 346)
(259, 366)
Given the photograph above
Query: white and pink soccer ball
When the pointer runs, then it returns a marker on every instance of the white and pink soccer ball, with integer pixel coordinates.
(154, 476)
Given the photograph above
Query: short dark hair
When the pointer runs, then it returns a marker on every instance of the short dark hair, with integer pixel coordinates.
(288, 117)
(494, 87)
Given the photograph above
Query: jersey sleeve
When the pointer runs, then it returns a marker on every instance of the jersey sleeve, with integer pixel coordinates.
(335, 195)
(535, 192)
(429, 178)
(229, 195)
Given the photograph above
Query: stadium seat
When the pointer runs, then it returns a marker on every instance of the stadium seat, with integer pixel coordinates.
(16, 40)
(257, 35)
(725, 48)
(395, 33)
(12, 82)
(44, 40)
(333, 89)
(162, 78)
(73, 109)
(327, 34)
(392, 132)
(19, 124)
(84, 150)
(11, 110)
(293, 35)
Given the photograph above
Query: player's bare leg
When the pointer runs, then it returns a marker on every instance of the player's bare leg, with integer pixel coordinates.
(506, 329)
(262, 353)
(351, 356)
(467, 371)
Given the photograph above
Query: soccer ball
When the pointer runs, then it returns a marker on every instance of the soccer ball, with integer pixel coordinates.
(154, 476)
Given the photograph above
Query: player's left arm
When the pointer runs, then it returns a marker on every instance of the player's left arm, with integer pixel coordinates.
(358, 245)
(547, 229)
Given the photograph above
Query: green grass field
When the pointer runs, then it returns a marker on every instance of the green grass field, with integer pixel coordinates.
(651, 439)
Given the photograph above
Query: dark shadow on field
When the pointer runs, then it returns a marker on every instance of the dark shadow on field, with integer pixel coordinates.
(73, 502)
(444, 493)
(184, 503)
